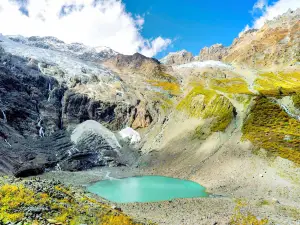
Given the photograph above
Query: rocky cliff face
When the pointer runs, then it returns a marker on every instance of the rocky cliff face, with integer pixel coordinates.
(275, 44)
(177, 58)
(40, 106)
(215, 52)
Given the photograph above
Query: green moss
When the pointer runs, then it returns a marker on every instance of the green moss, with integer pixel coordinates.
(194, 103)
(267, 127)
(166, 77)
(263, 202)
(280, 83)
(242, 216)
(63, 206)
(296, 100)
(171, 87)
(230, 85)
(220, 111)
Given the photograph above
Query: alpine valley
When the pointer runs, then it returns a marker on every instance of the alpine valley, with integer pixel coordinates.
(228, 119)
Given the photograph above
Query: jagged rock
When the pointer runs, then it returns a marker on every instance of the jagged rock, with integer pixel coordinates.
(276, 43)
(78, 108)
(215, 52)
(32, 135)
(138, 64)
(177, 58)
(142, 117)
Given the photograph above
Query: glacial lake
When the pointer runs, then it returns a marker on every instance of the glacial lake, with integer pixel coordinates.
(146, 189)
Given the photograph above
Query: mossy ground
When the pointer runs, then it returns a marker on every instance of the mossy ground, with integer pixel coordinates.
(244, 217)
(268, 127)
(296, 100)
(41, 202)
(194, 103)
(220, 111)
(280, 83)
(207, 104)
(230, 85)
(172, 87)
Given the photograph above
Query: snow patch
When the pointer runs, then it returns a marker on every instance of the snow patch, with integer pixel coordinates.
(130, 135)
(204, 64)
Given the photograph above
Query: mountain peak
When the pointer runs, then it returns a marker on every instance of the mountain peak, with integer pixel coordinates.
(176, 58)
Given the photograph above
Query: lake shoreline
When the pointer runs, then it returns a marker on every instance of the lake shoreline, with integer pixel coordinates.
(177, 211)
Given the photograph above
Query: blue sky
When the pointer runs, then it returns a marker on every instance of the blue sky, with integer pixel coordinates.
(152, 27)
(193, 23)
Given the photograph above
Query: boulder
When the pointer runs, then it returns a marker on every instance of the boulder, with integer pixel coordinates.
(97, 142)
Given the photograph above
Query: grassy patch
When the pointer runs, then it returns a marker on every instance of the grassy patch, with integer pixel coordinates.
(172, 88)
(278, 83)
(243, 217)
(268, 126)
(220, 110)
(194, 103)
(166, 77)
(54, 204)
(230, 85)
(296, 100)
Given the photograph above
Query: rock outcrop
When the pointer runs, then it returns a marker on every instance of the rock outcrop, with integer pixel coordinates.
(177, 58)
(138, 64)
(215, 52)
(275, 44)
(95, 140)
(37, 113)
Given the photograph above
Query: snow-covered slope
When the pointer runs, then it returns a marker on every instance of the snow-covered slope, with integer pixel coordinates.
(82, 51)
(63, 61)
(208, 63)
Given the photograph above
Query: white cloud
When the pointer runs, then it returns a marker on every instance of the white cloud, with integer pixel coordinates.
(155, 46)
(274, 10)
(94, 23)
(260, 4)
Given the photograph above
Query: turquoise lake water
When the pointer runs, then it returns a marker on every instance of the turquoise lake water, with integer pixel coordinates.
(146, 189)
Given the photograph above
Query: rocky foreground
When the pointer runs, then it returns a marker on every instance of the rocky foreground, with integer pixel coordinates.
(36, 201)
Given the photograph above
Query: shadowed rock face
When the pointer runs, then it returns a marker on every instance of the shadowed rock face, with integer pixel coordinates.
(35, 111)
